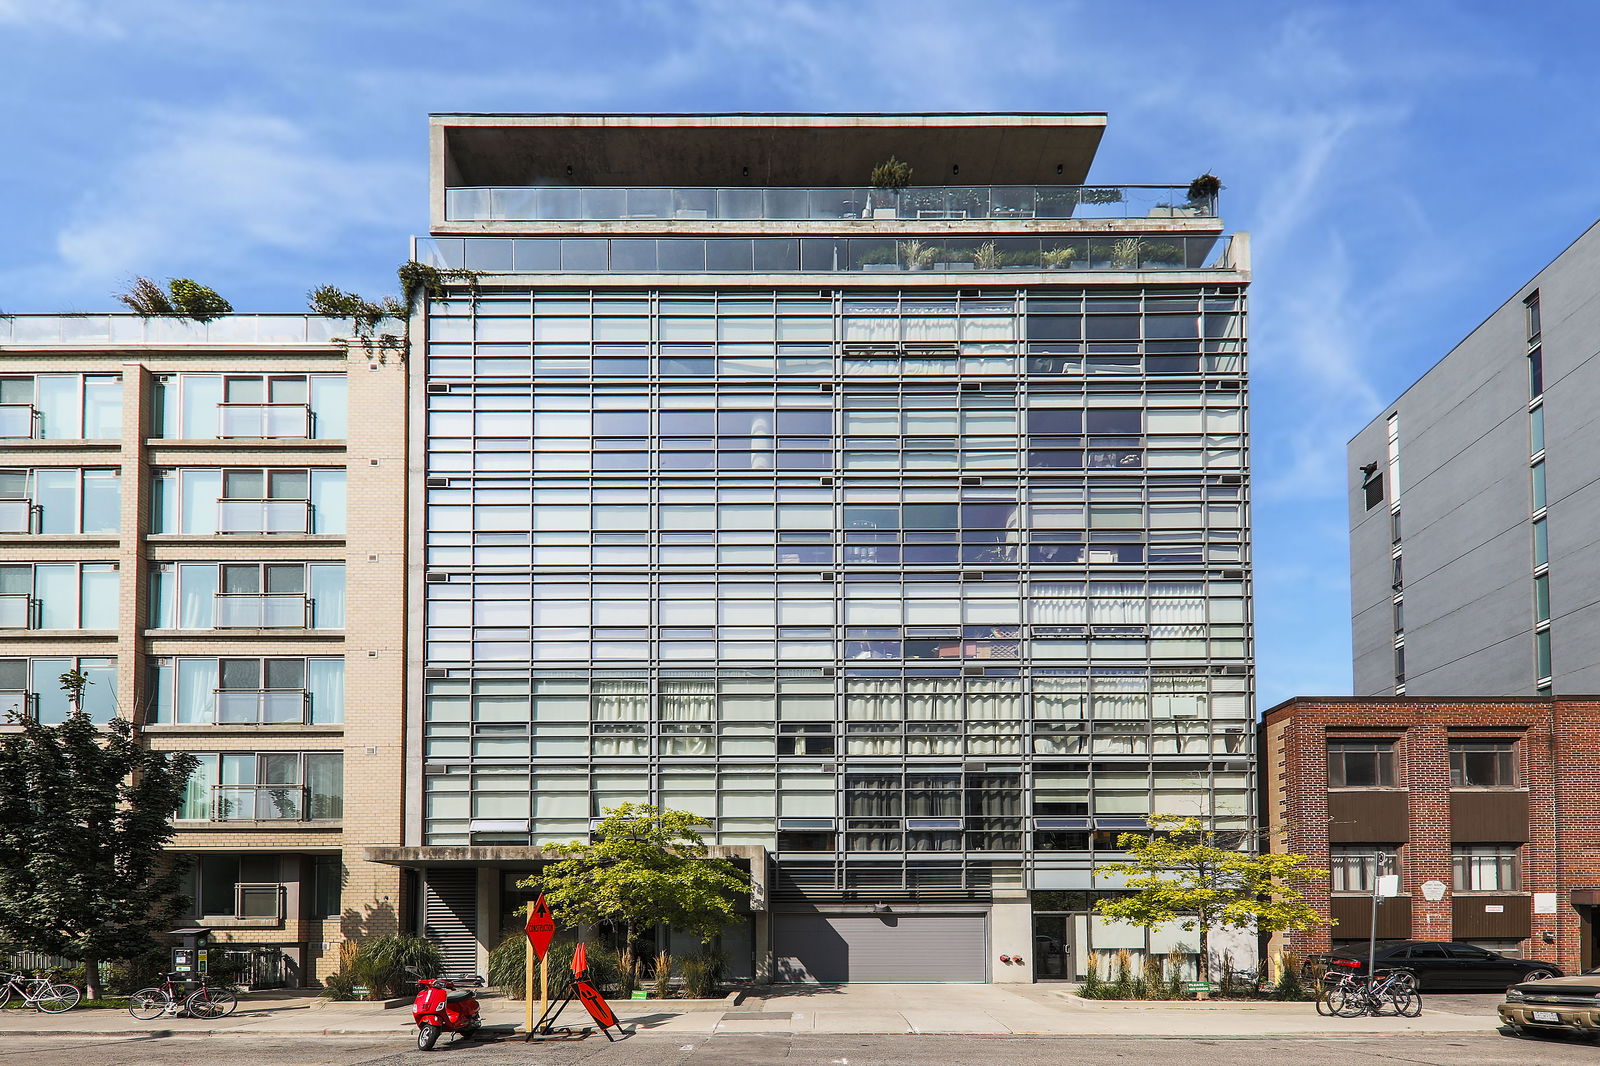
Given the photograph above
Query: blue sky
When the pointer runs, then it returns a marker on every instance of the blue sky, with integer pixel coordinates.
(1402, 166)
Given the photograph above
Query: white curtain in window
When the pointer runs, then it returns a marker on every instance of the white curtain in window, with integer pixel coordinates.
(199, 494)
(197, 682)
(326, 586)
(197, 793)
(689, 701)
(328, 501)
(872, 707)
(873, 745)
(1058, 604)
(197, 590)
(621, 701)
(325, 682)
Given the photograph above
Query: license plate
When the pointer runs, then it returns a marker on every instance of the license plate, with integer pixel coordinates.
(1546, 1016)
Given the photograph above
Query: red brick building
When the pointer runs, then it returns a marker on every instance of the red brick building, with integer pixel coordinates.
(1495, 799)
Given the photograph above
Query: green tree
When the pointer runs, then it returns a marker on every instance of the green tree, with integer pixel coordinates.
(1183, 872)
(85, 812)
(645, 866)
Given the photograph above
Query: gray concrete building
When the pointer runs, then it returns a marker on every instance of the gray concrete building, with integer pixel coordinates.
(900, 533)
(1474, 566)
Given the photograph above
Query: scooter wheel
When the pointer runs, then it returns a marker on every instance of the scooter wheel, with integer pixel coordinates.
(427, 1036)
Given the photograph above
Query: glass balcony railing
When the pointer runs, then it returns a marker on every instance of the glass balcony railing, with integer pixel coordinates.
(18, 420)
(16, 516)
(276, 706)
(17, 610)
(263, 516)
(262, 611)
(1006, 202)
(259, 803)
(131, 329)
(823, 255)
(265, 419)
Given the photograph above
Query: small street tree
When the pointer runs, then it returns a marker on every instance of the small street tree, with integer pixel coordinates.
(645, 866)
(1182, 872)
(85, 812)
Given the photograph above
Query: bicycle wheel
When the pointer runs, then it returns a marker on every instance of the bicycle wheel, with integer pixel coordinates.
(1354, 1002)
(148, 1004)
(1407, 1004)
(54, 999)
(211, 1003)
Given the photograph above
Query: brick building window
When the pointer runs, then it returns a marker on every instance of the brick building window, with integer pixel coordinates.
(1360, 763)
(1490, 763)
(1355, 867)
(1485, 867)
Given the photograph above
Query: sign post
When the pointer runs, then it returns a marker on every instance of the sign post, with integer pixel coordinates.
(1383, 887)
(540, 930)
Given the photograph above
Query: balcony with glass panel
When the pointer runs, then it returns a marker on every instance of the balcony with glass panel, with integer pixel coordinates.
(924, 253)
(267, 420)
(263, 516)
(232, 329)
(16, 516)
(19, 421)
(823, 204)
(262, 706)
(249, 610)
(260, 803)
(18, 610)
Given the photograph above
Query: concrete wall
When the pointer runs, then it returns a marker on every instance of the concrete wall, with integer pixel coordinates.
(1466, 511)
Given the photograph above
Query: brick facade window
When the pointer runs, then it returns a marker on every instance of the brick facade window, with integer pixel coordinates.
(1483, 763)
(1485, 867)
(1355, 867)
(1360, 763)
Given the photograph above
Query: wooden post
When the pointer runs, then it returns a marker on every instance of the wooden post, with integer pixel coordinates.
(544, 984)
(527, 987)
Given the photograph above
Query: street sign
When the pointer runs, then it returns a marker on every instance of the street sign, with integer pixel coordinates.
(541, 927)
(1388, 885)
(596, 1005)
(1433, 891)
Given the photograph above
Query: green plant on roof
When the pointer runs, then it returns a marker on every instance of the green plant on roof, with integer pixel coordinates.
(892, 173)
(182, 298)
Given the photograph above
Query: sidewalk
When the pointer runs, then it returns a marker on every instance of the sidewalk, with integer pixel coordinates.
(793, 1009)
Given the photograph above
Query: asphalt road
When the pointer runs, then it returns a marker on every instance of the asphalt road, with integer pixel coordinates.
(753, 1050)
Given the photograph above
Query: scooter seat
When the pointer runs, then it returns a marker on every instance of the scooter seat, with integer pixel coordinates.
(459, 995)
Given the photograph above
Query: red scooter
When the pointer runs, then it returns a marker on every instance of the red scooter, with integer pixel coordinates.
(441, 1007)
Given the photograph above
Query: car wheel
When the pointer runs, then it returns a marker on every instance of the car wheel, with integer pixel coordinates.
(1537, 975)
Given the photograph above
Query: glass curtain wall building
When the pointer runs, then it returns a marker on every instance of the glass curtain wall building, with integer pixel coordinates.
(918, 580)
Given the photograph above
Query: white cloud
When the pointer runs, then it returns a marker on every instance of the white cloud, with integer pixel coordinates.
(228, 191)
(71, 16)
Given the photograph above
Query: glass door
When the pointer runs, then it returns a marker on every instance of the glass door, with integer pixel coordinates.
(1052, 947)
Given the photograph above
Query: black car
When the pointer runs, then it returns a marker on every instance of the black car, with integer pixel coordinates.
(1450, 964)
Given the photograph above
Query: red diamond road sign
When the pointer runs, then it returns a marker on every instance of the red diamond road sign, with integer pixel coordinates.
(541, 927)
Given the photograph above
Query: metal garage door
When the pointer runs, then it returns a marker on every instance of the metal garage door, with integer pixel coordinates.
(893, 948)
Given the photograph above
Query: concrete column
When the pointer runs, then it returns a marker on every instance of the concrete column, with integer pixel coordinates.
(1011, 933)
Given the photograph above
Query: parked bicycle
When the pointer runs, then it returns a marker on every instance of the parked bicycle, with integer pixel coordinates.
(177, 997)
(40, 993)
(1350, 995)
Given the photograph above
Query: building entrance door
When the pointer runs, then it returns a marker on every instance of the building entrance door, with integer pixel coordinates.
(1052, 947)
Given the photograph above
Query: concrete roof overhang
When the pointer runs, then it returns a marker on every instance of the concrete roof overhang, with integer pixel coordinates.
(762, 149)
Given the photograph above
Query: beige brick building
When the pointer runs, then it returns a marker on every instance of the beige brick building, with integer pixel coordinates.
(208, 519)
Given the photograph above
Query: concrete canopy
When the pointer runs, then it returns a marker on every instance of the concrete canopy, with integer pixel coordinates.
(762, 149)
